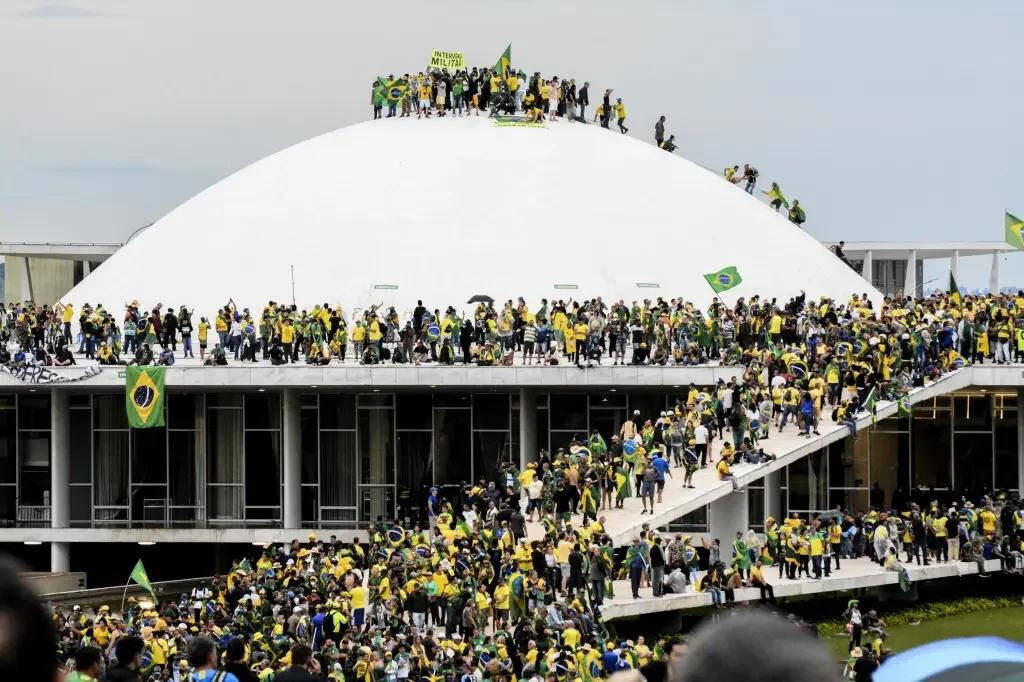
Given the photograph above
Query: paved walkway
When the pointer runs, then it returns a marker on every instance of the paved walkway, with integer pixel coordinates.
(788, 447)
(853, 574)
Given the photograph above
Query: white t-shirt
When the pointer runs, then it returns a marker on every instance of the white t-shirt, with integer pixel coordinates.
(700, 435)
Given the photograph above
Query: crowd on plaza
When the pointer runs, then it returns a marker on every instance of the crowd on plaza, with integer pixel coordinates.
(507, 578)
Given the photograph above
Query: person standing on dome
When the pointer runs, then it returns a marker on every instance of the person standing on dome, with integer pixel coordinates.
(582, 100)
(620, 112)
(606, 108)
(659, 132)
(554, 90)
(424, 99)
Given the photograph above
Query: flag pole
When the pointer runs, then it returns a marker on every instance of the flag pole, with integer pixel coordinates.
(293, 284)
(125, 595)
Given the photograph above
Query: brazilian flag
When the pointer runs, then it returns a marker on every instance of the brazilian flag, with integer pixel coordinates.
(1014, 226)
(396, 90)
(396, 536)
(141, 578)
(954, 290)
(724, 279)
(504, 63)
(144, 396)
(903, 407)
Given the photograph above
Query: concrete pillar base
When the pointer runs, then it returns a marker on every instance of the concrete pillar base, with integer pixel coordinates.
(60, 557)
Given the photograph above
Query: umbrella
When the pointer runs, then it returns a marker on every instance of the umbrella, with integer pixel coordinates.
(481, 298)
(972, 658)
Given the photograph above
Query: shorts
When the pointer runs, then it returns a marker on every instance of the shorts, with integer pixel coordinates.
(358, 616)
(535, 503)
(660, 484)
(202, 345)
(424, 103)
(501, 614)
(565, 569)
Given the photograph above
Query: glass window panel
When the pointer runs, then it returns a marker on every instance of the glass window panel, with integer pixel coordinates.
(1006, 456)
(308, 445)
(224, 399)
(108, 412)
(337, 411)
(755, 508)
(931, 447)
(848, 463)
(262, 411)
(309, 506)
(184, 410)
(377, 503)
(891, 424)
(34, 450)
(972, 458)
(543, 442)
(376, 446)
(451, 400)
(309, 400)
(490, 449)
(376, 400)
(149, 455)
(8, 447)
(808, 485)
(8, 502)
(415, 464)
(972, 412)
(651, 405)
(262, 468)
(224, 446)
(850, 501)
(609, 399)
(413, 410)
(452, 452)
(79, 400)
(80, 423)
(225, 503)
(186, 468)
(490, 411)
(8, 400)
(607, 422)
(694, 522)
(149, 505)
(81, 503)
(34, 412)
(110, 474)
(890, 464)
(569, 411)
(338, 469)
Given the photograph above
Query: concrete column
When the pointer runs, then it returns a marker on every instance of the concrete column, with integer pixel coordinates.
(60, 459)
(954, 265)
(993, 278)
(867, 267)
(910, 283)
(772, 492)
(728, 515)
(527, 427)
(1020, 441)
(86, 268)
(60, 557)
(292, 458)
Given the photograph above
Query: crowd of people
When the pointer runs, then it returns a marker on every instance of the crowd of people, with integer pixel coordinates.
(507, 577)
(495, 91)
(848, 343)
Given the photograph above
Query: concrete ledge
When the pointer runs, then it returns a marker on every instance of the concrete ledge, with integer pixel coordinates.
(159, 535)
(632, 608)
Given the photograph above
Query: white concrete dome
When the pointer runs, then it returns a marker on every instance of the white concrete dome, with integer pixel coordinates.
(442, 209)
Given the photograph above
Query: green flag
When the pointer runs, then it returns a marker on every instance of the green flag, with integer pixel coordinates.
(140, 576)
(504, 62)
(724, 279)
(1014, 225)
(870, 404)
(954, 290)
(144, 396)
(903, 407)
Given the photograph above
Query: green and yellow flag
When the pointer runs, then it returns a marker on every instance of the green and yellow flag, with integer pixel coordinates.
(1014, 225)
(724, 279)
(954, 290)
(504, 62)
(140, 577)
(144, 396)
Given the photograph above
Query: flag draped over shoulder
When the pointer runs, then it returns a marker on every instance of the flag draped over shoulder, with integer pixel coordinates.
(1014, 226)
(140, 577)
(144, 396)
(504, 62)
(724, 279)
(954, 290)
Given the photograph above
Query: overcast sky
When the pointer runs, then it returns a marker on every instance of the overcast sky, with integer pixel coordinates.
(888, 120)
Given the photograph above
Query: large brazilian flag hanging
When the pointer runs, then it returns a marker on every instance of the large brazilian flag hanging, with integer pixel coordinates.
(144, 396)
